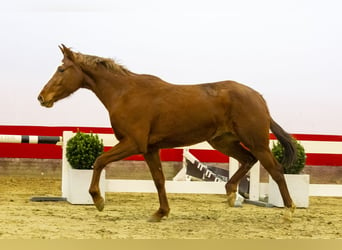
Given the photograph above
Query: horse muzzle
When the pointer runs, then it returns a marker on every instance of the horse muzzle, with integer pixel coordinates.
(45, 103)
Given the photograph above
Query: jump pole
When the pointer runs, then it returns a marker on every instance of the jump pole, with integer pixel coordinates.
(32, 139)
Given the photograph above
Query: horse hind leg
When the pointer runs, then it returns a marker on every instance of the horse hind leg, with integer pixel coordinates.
(268, 161)
(230, 146)
(153, 161)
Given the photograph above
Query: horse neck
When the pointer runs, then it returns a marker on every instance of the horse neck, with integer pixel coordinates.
(107, 86)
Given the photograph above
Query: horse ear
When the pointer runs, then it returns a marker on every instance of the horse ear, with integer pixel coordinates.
(67, 52)
(61, 48)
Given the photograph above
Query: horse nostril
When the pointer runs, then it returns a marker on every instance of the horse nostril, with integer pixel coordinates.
(40, 99)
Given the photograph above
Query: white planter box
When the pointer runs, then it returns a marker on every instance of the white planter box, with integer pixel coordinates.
(78, 185)
(76, 182)
(298, 185)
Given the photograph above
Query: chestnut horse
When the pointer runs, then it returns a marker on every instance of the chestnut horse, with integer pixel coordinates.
(148, 114)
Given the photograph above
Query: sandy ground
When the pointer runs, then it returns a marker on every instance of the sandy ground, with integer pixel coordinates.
(125, 216)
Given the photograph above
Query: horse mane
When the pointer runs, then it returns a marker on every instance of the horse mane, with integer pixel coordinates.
(95, 61)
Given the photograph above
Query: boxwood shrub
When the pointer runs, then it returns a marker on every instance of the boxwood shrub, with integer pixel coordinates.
(298, 165)
(83, 149)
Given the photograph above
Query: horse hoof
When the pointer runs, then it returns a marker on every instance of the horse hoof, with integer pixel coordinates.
(287, 218)
(100, 205)
(289, 211)
(231, 199)
(154, 218)
(159, 215)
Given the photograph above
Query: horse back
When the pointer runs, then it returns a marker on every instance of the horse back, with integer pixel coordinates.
(182, 115)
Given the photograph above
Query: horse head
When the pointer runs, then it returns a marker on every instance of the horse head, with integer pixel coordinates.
(67, 79)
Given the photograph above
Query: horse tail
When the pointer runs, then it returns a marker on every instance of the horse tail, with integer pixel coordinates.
(286, 140)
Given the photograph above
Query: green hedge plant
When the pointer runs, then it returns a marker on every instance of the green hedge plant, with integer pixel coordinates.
(83, 149)
(299, 164)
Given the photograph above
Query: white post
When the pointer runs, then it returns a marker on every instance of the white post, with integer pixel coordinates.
(181, 175)
(233, 166)
(65, 171)
(254, 182)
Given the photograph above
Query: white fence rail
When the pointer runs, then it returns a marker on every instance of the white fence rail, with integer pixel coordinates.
(257, 189)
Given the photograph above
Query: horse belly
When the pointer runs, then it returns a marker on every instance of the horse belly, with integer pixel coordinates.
(185, 131)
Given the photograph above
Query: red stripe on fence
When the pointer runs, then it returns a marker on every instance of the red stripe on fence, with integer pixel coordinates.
(39, 151)
(308, 137)
(333, 160)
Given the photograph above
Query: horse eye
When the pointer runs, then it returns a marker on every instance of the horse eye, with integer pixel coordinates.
(60, 69)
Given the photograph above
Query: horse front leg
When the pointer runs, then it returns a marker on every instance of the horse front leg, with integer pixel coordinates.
(122, 150)
(276, 171)
(233, 182)
(153, 161)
